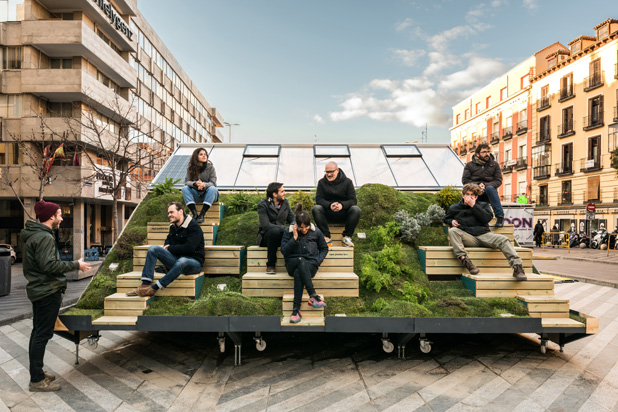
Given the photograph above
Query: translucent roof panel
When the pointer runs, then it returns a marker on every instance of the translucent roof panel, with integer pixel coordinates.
(401, 150)
(256, 172)
(175, 168)
(370, 166)
(296, 167)
(262, 150)
(445, 165)
(411, 172)
(226, 161)
(331, 150)
(343, 163)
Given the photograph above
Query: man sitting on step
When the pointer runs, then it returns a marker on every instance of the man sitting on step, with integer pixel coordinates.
(469, 226)
(182, 253)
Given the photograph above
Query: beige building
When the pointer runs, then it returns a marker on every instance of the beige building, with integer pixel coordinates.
(575, 130)
(99, 63)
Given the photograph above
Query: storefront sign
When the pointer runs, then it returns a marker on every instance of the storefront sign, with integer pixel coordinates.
(115, 18)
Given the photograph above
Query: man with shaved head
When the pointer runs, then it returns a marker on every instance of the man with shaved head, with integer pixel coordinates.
(335, 200)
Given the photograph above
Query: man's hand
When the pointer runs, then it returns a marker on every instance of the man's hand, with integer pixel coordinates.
(295, 231)
(469, 200)
(454, 223)
(336, 206)
(166, 246)
(482, 186)
(83, 266)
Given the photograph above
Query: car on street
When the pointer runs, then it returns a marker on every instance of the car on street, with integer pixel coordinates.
(11, 250)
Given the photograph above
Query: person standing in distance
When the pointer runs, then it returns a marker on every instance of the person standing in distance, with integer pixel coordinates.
(484, 171)
(45, 273)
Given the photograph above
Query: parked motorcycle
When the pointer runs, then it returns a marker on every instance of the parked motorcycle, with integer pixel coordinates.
(596, 236)
(574, 239)
(584, 240)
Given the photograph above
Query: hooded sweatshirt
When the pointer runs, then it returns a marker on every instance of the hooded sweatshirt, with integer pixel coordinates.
(339, 190)
(43, 268)
(207, 175)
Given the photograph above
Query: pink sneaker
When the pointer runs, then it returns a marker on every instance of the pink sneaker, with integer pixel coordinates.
(316, 302)
(296, 316)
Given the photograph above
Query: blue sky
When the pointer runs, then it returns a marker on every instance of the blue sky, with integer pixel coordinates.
(355, 71)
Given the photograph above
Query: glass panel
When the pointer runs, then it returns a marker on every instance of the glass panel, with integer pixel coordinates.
(226, 162)
(337, 150)
(401, 151)
(411, 172)
(343, 163)
(296, 167)
(444, 164)
(370, 166)
(257, 172)
(259, 150)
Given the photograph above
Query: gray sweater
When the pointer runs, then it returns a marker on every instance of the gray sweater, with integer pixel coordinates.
(208, 175)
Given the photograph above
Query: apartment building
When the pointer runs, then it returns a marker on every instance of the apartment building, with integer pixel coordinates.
(95, 60)
(576, 130)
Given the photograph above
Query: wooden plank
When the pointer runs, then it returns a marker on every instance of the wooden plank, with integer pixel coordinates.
(325, 263)
(309, 321)
(277, 293)
(454, 270)
(497, 285)
(471, 249)
(305, 313)
(547, 307)
(561, 323)
(116, 320)
(289, 283)
(487, 254)
(207, 248)
(489, 293)
(189, 292)
(331, 275)
(157, 276)
(257, 252)
(165, 229)
(549, 314)
(552, 299)
(320, 270)
(133, 283)
(223, 254)
(222, 270)
(480, 263)
(123, 312)
(532, 277)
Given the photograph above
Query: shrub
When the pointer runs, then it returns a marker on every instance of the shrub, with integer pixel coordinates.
(379, 305)
(383, 235)
(377, 272)
(240, 202)
(377, 202)
(154, 209)
(414, 292)
(409, 226)
(239, 229)
(165, 187)
(447, 197)
(414, 203)
(435, 213)
(134, 236)
(302, 197)
(423, 219)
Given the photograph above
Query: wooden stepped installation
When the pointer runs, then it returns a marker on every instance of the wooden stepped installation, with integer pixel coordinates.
(220, 260)
(280, 284)
(184, 285)
(506, 230)
(491, 285)
(157, 231)
(546, 306)
(310, 315)
(336, 234)
(339, 259)
(119, 304)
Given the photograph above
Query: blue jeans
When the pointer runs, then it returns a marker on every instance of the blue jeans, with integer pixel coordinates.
(208, 196)
(491, 195)
(176, 265)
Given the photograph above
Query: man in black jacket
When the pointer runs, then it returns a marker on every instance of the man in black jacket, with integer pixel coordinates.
(485, 172)
(274, 212)
(182, 253)
(336, 202)
(468, 221)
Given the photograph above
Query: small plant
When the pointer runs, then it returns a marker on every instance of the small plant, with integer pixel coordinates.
(435, 213)
(423, 219)
(409, 227)
(379, 305)
(415, 293)
(447, 197)
(302, 197)
(377, 272)
(165, 187)
(384, 235)
(241, 202)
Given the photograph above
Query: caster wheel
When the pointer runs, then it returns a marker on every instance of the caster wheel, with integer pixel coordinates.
(425, 346)
(388, 346)
(94, 343)
(544, 346)
(221, 346)
(260, 345)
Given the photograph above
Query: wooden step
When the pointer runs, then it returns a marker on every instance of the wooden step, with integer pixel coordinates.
(339, 259)
(158, 231)
(260, 284)
(116, 320)
(305, 309)
(305, 321)
(506, 230)
(123, 312)
(561, 323)
(505, 285)
(184, 285)
(220, 260)
(122, 301)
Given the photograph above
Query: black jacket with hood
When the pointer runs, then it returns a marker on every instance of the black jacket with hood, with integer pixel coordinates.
(339, 190)
(473, 220)
(207, 175)
(272, 217)
(489, 173)
(43, 268)
(311, 246)
(187, 240)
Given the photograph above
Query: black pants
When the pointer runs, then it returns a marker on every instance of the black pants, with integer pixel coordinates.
(272, 240)
(45, 311)
(302, 271)
(350, 217)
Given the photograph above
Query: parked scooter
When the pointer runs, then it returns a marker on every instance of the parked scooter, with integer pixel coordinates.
(613, 240)
(584, 239)
(596, 238)
(574, 239)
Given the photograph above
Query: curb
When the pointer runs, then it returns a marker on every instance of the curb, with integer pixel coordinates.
(583, 279)
(67, 304)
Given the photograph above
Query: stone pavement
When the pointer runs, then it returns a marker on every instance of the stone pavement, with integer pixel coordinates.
(139, 371)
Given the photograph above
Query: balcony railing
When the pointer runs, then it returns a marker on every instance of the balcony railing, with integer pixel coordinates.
(594, 81)
(564, 198)
(567, 128)
(522, 127)
(592, 122)
(563, 169)
(472, 145)
(590, 165)
(507, 166)
(507, 132)
(495, 137)
(484, 140)
(521, 163)
(566, 93)
(542, 138)
(541, 172)
(463, 150)
(544, 104)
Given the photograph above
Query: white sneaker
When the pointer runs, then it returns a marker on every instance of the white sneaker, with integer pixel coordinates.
(347, 241)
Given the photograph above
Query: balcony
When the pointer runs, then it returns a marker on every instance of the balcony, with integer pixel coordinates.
(590, 165)
(507, 132)
(521, 163)
(564, 169)
(541, 172)
(588, 197)
(566, 129)
(566, 93)
(543, 138)
(507, 166)
(544, 104)
(542, 200)
(594, 81)
(472, 145)
(594, 121)
(522, 127)
(495, 137)
(484, 140)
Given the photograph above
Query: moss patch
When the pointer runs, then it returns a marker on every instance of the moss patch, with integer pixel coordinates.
(95, 313)
(239, 229)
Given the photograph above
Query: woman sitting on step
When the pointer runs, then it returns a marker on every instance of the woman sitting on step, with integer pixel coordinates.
(304, 249)
(200, 183)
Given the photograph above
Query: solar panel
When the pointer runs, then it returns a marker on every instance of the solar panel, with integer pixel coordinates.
(175, 168)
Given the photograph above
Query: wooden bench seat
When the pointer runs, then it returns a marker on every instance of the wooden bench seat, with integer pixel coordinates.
(546, 306)
(158, 231)
(339, 259)
(328, 284)
(220, 260)
(498, 285)
(184, 285)
(440, 263)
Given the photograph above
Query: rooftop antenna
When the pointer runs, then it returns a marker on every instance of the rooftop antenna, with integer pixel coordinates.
(424, 135)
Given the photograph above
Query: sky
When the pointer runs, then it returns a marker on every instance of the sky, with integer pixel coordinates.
(355, 71)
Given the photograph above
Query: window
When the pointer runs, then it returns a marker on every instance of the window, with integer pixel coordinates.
(567, 159)
(60, 109)
(552, 62)
(457, 119)
(544, 96)
(595, 112)
(487, 102)
(503, 94)
(603, 32)
(12, 57)
(594, 152)
(543, 195)
(10, 105)
(595, 78)
(61, 63)
(507, 155)
(566, 192)
(593, 188)
(566, 86)
(544, 131)
(567, 121)
(477, 108)
(466, 114)
(576, 47)
(524, 81)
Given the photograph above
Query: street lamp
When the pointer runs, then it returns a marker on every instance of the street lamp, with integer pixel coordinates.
(230, 126)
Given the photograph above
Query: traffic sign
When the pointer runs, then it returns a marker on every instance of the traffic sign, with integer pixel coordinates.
(591, 207)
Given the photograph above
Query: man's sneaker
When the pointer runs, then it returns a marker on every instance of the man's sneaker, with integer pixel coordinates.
(45, 385)
(296, 316)
(49, 376)
(499, 221)
(469, 265)
(270, 270)
(518, 272)
(347, 241)
(329, 242)
(142, 290)
(316, 302)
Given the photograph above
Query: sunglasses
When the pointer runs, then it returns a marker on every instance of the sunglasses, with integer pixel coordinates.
(329, 172)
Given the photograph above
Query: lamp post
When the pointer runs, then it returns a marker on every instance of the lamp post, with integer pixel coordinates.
(230, 126)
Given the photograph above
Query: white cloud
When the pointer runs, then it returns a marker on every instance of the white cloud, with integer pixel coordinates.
(531, 4)
(383, 84)
(408, 57)
(318, 119)
(479, 71)
(437, 62)
(402, 25)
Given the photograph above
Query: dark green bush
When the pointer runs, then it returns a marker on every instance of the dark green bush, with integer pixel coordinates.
(239, 229)
(240, 202)
(378, 203)
(153, 209)
(306, 198)
(133, 236)
(414, 203)
(166, 187)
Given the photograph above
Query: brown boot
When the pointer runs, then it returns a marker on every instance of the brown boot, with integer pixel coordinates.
(469, 265)
(518, 272)
(142, 290)
(43, 386)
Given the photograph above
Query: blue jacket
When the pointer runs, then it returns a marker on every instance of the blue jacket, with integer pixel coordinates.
(311, 246)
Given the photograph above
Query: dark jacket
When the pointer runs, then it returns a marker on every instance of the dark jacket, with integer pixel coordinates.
(473, 220)
(42, 265)
(272, 217)
(339, 190)
(488, 173)
(311, 246)
(207, 175)
(186, 240)
(538, 230)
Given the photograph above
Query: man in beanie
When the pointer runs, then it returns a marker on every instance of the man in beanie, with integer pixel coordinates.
(47, 282)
